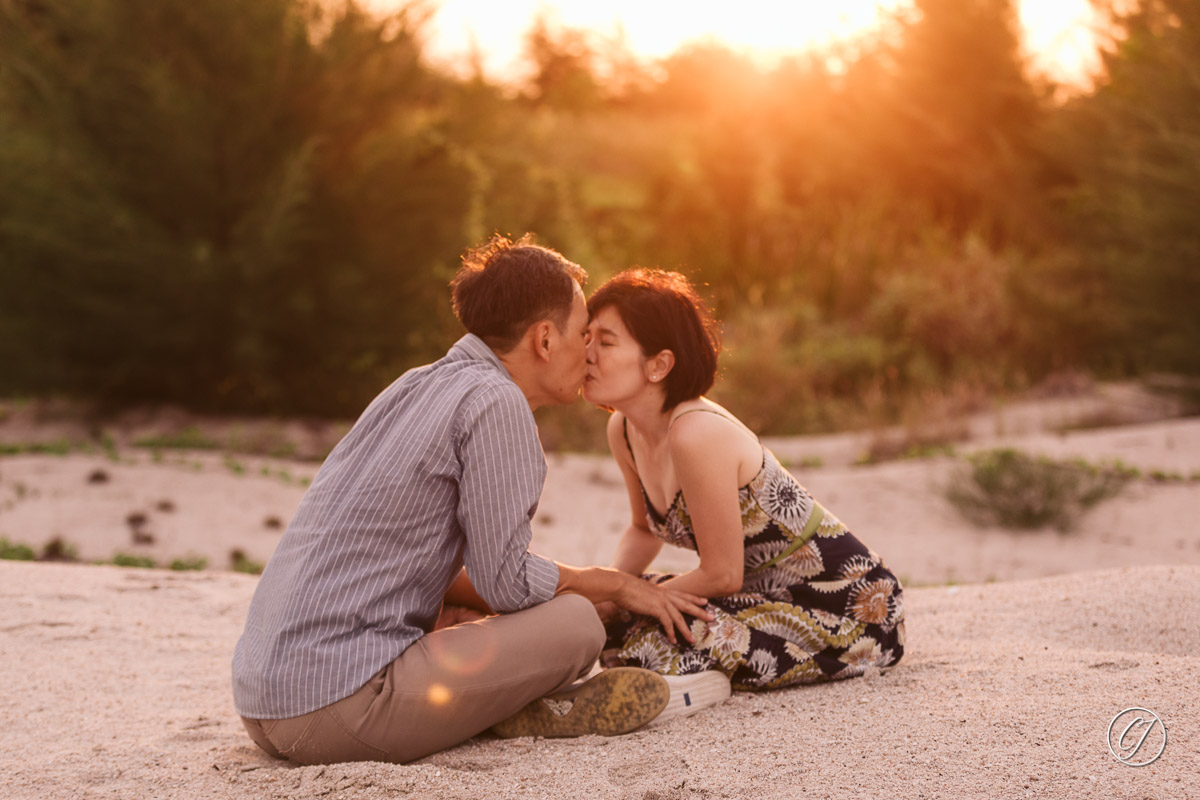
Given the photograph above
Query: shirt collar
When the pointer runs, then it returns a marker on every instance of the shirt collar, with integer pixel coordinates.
(473, 348)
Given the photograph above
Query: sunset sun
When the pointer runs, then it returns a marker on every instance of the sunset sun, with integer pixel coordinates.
(1057, 34)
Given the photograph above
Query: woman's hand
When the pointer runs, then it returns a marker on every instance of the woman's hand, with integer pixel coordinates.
(666, 605)
(601, 584)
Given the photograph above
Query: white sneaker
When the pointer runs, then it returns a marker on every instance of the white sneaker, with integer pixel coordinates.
(690, 693)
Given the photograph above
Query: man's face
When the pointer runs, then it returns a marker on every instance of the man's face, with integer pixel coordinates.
(568, 360)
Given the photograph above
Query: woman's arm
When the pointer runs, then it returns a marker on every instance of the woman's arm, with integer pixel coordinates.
(707, 454)
(637, 546)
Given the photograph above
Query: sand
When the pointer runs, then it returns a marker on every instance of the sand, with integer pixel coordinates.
(118, 687)
(1022, 647)
(198, 504)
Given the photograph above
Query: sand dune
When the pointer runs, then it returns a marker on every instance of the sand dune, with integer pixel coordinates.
(118, 686)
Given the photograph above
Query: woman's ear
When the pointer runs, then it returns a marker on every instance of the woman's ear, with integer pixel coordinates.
(660, 365)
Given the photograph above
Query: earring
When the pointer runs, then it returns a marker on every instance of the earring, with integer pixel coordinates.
(653, 377)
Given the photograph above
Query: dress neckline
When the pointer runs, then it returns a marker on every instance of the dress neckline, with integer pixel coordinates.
(661, 517)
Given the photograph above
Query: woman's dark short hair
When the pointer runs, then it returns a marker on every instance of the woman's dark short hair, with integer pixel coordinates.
(503, 287)
(663, 312)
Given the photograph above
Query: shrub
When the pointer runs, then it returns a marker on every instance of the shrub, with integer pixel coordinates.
(15, 552)
(239, 562)
(1016, 490)
(130, 560)
(189, 563)
(58, 550)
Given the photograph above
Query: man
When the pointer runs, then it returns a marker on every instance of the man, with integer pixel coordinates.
(342, 658)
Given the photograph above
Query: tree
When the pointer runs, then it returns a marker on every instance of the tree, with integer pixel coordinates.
(1135, 147)
(964, 116)
(238, 206)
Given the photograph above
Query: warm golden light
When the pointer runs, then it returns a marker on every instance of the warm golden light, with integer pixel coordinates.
(1060, 37)
(1058, 33)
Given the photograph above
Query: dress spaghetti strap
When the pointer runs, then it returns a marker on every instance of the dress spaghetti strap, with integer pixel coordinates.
(625, 433)
(729, 417)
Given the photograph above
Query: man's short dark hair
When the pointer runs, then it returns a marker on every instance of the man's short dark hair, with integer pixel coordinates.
(663, 312)
(503, 287)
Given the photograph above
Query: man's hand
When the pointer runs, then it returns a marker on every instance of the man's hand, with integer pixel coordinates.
(601, 584)
(608, 611)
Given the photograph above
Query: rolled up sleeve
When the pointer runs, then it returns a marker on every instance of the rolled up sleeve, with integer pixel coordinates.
(503, 470)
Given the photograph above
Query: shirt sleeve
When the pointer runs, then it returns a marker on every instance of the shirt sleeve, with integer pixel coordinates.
(503, 470)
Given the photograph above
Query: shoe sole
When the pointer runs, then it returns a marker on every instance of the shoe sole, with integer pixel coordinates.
(691, 693)
(614, 702)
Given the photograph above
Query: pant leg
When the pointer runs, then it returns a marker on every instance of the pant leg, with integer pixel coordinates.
(449, 686)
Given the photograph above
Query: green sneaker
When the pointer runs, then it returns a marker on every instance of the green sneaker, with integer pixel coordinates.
(616, 701)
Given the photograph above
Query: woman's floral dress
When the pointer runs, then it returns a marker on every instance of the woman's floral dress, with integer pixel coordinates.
(815, 604)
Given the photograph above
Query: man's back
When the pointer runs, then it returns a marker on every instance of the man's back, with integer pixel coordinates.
(444, 465)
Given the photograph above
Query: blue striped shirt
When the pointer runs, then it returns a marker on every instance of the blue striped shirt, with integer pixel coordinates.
(443, 469)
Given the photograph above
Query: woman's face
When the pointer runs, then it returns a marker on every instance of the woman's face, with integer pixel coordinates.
(616, 368)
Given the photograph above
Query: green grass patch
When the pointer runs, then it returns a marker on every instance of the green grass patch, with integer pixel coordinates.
(130, 560)
(1166, 476)
(58, 447)
(1015, 490)
(238, 562)
(189, 563)
(109, 446)
(11, 551)
(190, 438)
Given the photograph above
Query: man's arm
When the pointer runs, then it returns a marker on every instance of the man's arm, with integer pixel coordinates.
(462, 593)
(502, 469)
(502, 472)
(603, 585)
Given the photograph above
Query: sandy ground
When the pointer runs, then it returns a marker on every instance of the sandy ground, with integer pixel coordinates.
(1022, 647)
(199, 504)
(117, 685)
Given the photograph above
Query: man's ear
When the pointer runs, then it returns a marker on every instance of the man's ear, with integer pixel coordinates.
(541, 338)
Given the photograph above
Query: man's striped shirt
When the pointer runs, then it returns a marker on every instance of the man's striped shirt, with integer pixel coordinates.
(443, 468)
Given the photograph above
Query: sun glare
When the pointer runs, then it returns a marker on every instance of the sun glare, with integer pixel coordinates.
(1058, 34)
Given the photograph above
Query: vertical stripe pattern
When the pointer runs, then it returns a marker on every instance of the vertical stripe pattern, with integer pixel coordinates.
(443, 469)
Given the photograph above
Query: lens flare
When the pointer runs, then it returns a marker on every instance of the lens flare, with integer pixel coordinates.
(438, 695)
(448, 649)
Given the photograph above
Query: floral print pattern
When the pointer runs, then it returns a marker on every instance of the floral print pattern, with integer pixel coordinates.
(828, 609)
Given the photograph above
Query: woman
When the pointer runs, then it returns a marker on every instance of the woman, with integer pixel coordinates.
(795, 596)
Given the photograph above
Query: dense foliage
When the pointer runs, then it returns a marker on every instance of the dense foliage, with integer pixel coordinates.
(257, 206)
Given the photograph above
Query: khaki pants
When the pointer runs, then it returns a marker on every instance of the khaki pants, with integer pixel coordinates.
(445, 688)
